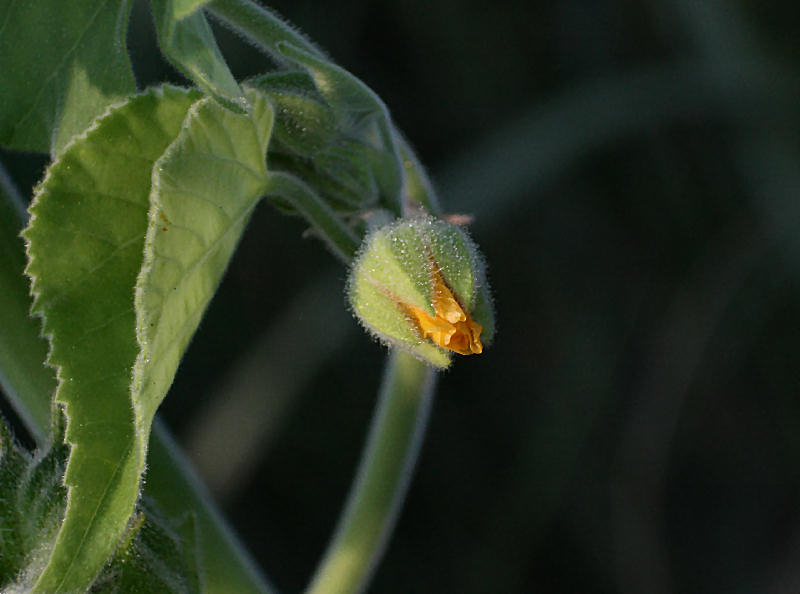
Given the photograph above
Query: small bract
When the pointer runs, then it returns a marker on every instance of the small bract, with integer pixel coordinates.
(419, 284)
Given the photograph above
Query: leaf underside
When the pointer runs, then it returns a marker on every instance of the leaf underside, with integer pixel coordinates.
(204, 189)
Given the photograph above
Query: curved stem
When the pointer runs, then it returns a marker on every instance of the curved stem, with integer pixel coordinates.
(172, 483)
(383, 477)
(342, 241)
(418, 188)
(260, 25)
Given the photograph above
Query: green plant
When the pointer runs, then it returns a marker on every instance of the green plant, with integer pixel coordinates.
(130, 232)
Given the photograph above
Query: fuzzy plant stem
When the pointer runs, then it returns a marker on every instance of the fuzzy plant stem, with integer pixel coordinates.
(383, 477)
(261, 26)
(340, 239)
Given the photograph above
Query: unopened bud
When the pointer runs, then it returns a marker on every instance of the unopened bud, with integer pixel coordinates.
(419, 284)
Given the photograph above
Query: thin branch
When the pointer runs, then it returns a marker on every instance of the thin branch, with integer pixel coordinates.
(382, 480)
(342, 241)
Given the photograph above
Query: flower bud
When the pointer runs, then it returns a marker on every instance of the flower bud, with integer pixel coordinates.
(419, 284)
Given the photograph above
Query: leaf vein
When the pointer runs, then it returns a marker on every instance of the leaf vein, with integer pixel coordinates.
(161, 256)
(92, 192)
(199, 196)
(191, 231)
(108, 321)
(95, 511)
(215, 157)
(59, 296)
(236, 225)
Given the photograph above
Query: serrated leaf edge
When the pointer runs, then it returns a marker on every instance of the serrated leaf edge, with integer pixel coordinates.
(37, 312)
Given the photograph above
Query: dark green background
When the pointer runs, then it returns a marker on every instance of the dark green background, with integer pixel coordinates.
(634, 173)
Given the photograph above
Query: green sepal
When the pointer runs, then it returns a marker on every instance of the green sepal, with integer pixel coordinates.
(304, 122)
(394, 261)
(458, 259)
(381, 316)
(363, 115)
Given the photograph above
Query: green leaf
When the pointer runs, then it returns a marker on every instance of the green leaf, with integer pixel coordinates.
(86, 238)
(92, 221)
(187, 41)
(29, 385)
(204, 189)
(56, 79)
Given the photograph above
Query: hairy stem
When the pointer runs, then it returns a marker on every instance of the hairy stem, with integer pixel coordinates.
(261, 26)
(342, 241)
(383, 477)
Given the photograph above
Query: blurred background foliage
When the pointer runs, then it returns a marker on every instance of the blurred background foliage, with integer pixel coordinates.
(634, 173)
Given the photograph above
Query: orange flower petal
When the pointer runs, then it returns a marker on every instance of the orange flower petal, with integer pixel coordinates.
(451, 328)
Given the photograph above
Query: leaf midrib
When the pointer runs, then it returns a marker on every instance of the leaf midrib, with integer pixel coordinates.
(235, 224)
(89, 525)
